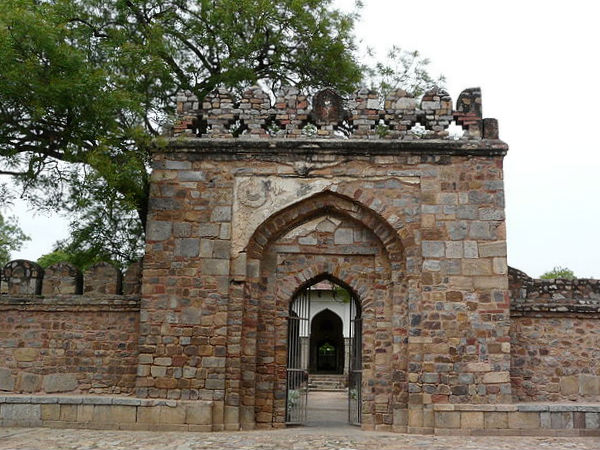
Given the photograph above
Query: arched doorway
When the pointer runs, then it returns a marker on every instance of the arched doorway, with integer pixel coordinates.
(319, 343)
(327, 343)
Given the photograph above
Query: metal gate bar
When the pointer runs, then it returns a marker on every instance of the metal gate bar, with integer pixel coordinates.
(297, 364)
(355, 366)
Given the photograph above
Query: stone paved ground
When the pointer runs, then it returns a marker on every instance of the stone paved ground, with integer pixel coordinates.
(326, 430)
(314, 438)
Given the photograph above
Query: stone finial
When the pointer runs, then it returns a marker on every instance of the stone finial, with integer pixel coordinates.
(469, 102)
(132, 280)
(62, 278)
(328, 106)
(102, 278)
(490, 129)
(468, 112)
(23, 277)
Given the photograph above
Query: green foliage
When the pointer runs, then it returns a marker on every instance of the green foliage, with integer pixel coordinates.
(402, 69)
(341, 294)
(11, 238)
(87, 85)
(54, 257)
(558, 272)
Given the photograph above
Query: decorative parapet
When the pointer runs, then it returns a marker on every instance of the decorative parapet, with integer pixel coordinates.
(363, 115)
(537, 296)
(22, 279)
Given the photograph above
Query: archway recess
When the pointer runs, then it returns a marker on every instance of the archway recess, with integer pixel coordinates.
(326, 236)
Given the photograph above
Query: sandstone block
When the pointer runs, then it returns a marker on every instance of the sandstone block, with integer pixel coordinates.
(50, 411)
(172, 415)
(478, 367)
(68, 413)
(28, 382)
(163, 361)
(149, 414)
(26, 354)
(85, 413)
(476, 267)
(589, 384)
(415, 417)
(496, 377)
(491, 249)
(199, 414)
(454, 249)
(569, 385)
(433, 249)
(561, 420)
(400, 417)
(20, 412)
(158, 231)
(59, 382)
(524, 420)
(187, 247)
(7, 381)
(592, 420)
(221, 214)
(116, 414)
(447, 419)
(471, 249)
(495, 420)
(471, 419)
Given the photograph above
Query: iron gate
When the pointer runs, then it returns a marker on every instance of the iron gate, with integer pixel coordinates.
(355, 366)
(297, 364)
(298, 361)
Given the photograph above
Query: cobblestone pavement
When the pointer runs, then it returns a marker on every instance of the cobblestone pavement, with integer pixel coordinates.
(314, 438)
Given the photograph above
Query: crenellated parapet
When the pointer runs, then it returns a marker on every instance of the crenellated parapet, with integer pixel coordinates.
(534, 295)
(363, 115)
(22, 278)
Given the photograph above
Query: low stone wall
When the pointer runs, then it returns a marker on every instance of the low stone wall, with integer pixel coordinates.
(555, 339)
(80, 344)
(548, 419)
(123, 413)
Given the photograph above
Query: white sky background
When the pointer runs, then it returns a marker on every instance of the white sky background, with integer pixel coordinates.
(538, 64)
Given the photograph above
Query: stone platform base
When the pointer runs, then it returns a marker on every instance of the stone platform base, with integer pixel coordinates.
(531, 419)
(123, 413)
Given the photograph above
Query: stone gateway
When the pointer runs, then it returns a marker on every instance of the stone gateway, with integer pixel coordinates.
(359, 238)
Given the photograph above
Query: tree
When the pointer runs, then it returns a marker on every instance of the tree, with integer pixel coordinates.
(558, 272)
(86, 85)
(11, 238)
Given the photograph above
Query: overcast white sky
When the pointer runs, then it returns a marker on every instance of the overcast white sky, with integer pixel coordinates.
(537, 63)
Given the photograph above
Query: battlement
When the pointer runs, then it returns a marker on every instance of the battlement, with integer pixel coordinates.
(27, 278)
(364, 115)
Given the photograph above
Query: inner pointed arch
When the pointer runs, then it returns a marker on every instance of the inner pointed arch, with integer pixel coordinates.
(323, 203)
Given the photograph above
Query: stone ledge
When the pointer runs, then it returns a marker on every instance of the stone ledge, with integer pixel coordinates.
(70, 303)
(364, 147)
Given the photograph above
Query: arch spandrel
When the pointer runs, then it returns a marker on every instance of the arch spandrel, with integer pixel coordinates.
(321, 204)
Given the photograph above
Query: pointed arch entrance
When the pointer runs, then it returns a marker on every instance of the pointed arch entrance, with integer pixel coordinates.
(326, 236)
(326, 344)
(317, 344)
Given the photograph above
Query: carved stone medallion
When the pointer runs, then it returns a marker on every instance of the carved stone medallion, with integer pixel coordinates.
(252, 192)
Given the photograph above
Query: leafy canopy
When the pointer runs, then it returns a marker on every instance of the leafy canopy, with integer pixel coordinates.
(558, 272)
(86, 85)
(11, 238)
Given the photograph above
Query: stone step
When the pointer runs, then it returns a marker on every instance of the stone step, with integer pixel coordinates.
(324, 382)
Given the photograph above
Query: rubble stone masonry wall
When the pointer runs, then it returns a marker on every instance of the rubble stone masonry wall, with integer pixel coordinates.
(65, 341)
(555, 333)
